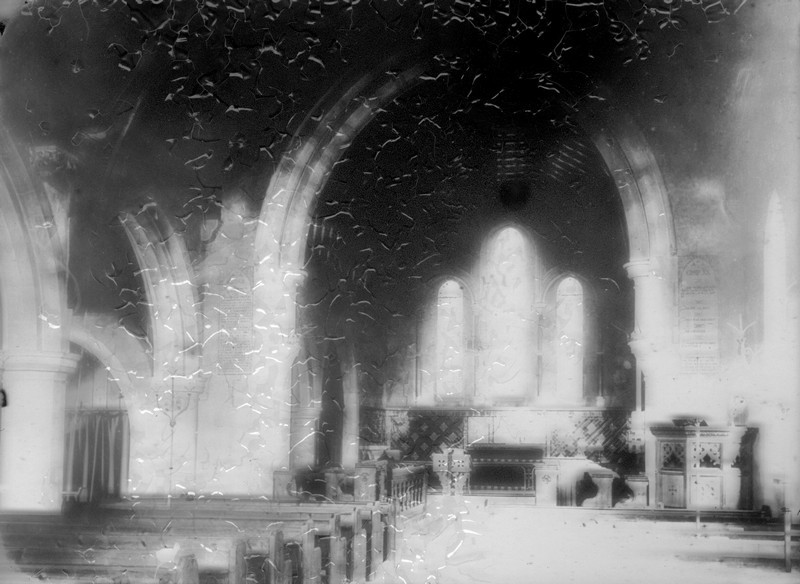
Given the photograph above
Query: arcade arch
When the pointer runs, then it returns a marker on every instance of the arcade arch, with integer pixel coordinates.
(36, 358)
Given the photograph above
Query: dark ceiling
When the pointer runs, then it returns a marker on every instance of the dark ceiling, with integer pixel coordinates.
(178, 102)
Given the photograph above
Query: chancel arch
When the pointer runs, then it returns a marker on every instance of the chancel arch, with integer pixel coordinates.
(322, 141)
(284, 223)
(652, 264)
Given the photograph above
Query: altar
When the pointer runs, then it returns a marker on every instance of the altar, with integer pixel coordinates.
(504, 468)
(521, 451)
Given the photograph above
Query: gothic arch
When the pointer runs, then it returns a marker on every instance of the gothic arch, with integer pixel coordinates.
(638, 180)
(167, 273)
(322, 139)
(35, 349)
(34, 307)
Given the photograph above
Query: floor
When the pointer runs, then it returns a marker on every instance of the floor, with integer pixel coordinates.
(485, 540)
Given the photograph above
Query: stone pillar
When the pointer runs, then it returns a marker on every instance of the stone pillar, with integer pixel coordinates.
(32, 437)
(350, 433)
(306, 409)
(651, 341)
(656, 357)
(648, 331)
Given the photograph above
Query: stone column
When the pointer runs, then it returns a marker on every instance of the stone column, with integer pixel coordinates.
(651, 342)
(32, 437)
(656, 358)
(645, 303)
(305, 416)
(350, 433)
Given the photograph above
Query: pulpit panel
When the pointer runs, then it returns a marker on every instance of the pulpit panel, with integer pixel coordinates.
(672, 490)
(699, 467)
(707, 492)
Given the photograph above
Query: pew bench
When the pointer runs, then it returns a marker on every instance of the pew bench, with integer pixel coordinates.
(786, 536)
(225, 542)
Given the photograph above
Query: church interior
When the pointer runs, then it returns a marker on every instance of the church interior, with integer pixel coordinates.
(290, 289)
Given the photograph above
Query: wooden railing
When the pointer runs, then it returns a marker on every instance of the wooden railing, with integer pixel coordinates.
(409, 486)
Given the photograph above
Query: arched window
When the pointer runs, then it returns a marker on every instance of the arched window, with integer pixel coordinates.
(450, 341)
(508, 331)
(570, 340)
(570, 362)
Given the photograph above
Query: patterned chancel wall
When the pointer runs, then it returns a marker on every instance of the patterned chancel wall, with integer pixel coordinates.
(599, 434)
(426, 432)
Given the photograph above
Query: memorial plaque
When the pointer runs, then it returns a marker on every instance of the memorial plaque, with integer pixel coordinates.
(236, 325)
(699, 316)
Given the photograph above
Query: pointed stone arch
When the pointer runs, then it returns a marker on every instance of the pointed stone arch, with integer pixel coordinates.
(168, 277)
(35, 349)
(34, 301)
(321, 141)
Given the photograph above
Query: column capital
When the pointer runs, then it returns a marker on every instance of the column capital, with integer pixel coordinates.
(638, 268)
(40, 361)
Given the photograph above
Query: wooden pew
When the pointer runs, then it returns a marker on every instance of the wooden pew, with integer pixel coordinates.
(785, 535)
(312, 556)
(271, 543)
(758, 540)
(337, 555)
